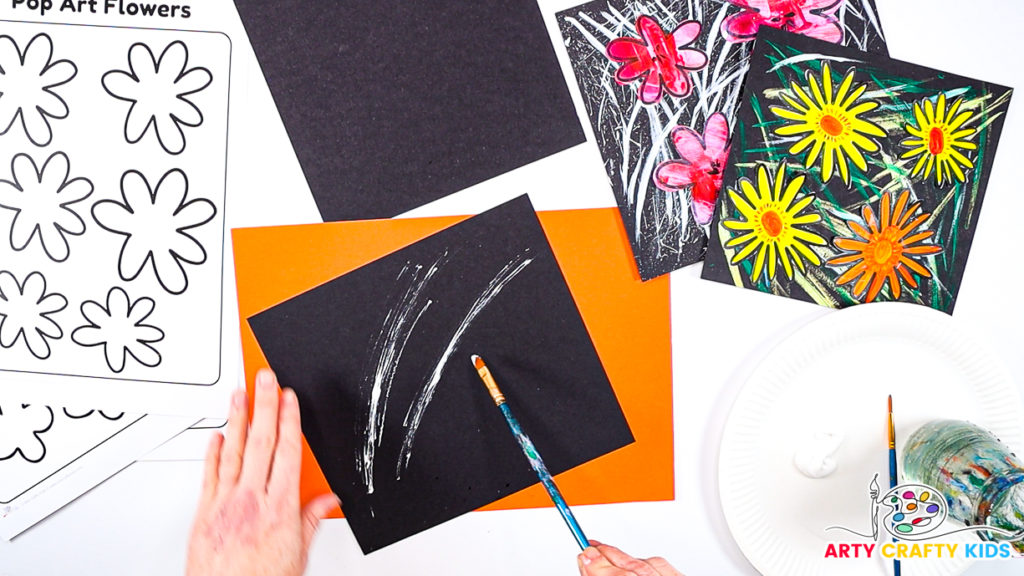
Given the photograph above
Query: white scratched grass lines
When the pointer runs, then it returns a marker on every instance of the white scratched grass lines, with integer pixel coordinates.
(635, 138)
(710, 85)
(415, 414)
(867, 15)
(387, 349)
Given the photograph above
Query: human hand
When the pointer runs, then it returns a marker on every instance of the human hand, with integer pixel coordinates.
(250, 521)
(603, 560)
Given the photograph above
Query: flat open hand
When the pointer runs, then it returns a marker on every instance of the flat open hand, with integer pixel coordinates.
(603, 560)
(250, 521)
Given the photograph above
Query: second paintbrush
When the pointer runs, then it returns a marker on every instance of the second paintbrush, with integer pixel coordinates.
(893, 472)
(531, 451)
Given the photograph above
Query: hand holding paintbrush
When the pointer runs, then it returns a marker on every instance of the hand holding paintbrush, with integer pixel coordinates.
(603, 560)
(597, 559)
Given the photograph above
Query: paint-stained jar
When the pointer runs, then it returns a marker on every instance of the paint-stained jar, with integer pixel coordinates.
(981, 479)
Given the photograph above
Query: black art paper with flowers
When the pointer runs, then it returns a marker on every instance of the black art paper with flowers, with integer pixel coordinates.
(112, 164)
(661, 83)
(853, 178)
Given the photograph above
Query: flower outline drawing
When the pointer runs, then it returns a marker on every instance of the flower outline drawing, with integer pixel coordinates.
(27, 82)
(43, 199)
(25, 309)
(20, 431)
(156, 223)
(159, 91)
(119, 327)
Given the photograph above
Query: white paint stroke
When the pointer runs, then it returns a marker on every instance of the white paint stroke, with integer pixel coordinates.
(806, 58)
(388, 347)
(416, 410)
(873, 18)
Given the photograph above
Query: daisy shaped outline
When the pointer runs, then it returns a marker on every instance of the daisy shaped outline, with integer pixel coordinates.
(158, 90)
(38, 129)
(25, 309)
(41, 199)
(156, 223)
(36, 433)
(119, 327)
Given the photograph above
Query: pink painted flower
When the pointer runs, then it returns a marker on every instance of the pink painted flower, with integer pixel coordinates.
(814, 18)
(701, 166)
(660, 59)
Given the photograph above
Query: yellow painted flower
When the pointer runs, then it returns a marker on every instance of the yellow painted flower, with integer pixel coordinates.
(831, 122)
(885, 249)
(772, 226)
(935, 139)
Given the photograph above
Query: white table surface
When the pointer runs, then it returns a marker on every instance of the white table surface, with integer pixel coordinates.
(138, 522)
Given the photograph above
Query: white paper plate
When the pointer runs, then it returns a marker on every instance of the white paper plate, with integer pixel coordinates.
(835, 374)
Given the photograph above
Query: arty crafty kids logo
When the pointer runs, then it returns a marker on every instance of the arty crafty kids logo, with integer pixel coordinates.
(915, 516)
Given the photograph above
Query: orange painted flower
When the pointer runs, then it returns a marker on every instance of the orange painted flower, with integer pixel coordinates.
(885, 249)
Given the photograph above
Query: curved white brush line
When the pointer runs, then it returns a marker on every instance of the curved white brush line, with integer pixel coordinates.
(415, 414)
(398, 326)
(870, 12)
(807, 57)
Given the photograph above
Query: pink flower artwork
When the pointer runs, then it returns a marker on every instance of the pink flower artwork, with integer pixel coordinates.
(814, 18)
(660, 59)
(701, 165)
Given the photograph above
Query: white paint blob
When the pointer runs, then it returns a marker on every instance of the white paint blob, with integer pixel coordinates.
(815, 456)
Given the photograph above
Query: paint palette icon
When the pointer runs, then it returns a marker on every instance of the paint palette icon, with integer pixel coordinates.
(914, 510)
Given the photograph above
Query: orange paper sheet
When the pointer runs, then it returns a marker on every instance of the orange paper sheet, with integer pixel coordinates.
(629, 322)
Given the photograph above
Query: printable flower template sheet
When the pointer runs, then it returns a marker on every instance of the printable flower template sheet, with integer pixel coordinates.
(50, 456)
(113, 147)
(661, 83)
(37, 440)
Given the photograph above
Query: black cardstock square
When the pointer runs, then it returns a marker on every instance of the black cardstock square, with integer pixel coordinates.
(392, 104)
(323, 343)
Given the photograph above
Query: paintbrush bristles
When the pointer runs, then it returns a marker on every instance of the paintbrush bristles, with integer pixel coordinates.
(489, 382)
(892, 427)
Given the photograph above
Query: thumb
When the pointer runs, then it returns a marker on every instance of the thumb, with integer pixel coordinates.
(315, 511)
(592, 563)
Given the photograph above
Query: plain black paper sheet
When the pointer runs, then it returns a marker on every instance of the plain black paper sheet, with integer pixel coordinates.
(393, 104)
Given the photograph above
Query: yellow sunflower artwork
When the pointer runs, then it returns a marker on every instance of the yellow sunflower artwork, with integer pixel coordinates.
(773, 224)
(886, 250)
(830, 119)
(937, 140)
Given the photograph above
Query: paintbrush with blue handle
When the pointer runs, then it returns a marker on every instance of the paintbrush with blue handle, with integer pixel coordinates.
(531, 452)
(892, 471)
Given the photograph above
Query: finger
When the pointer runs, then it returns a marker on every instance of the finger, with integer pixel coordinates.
(212, 467)
(234, 443)
(663, 567)
(626, 562)
(313, 513)
(259, 447)
(285, 475)
(592, 563)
